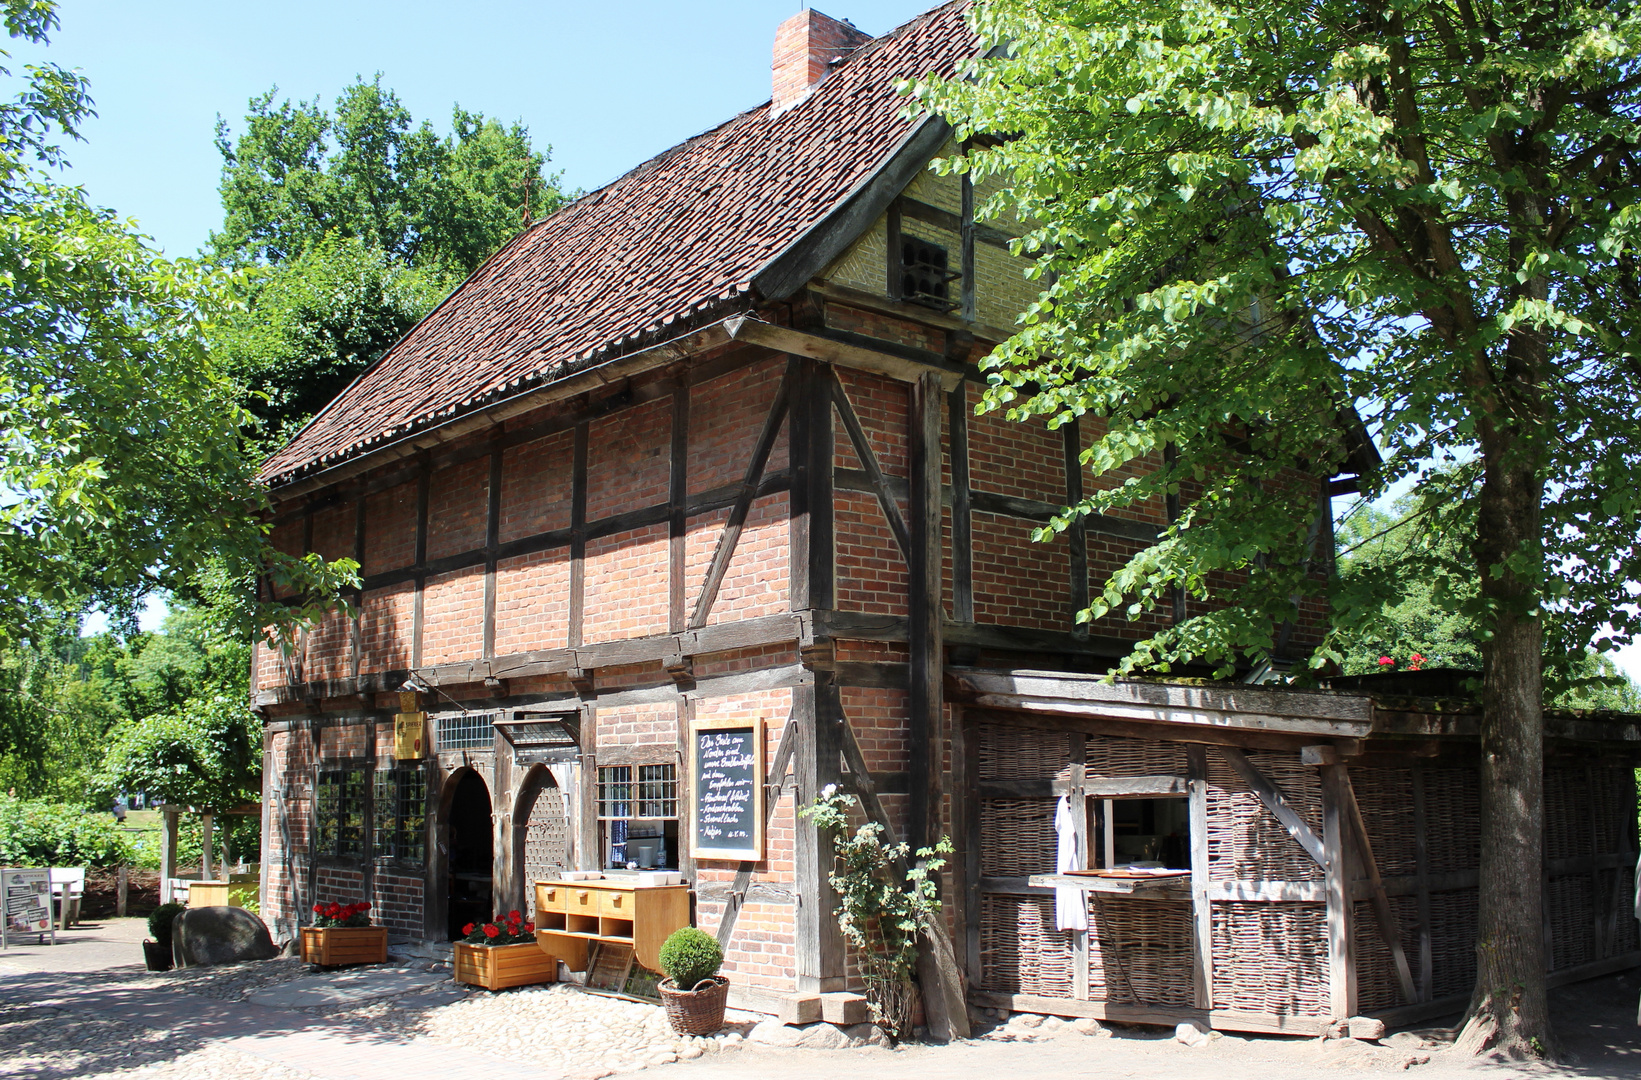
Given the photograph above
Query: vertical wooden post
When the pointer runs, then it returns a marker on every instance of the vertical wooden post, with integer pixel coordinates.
(578, 535)
(1077, 533)
(122, 885)
(892, 268)
(1336, 847)
(962, 517)
(589, 855)
(924, 604)
(206, 820)
(356, 631)
(1171, 505)
(423, 486)
(1421, 871)
(168, 852)
(967, 238)
(817, 708)
(970, 764)
(492, 539)
(1202, 910)
(677, 495)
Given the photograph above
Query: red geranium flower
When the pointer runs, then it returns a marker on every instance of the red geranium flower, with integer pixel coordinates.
(319, 909)
(363, 905)
(468, 929)
(334, 910)
(1415, 662)
(1385, 661)
(490, 930)
(529, 928)
(514, 916)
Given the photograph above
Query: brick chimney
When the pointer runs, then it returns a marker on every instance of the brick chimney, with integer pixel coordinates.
(805, 45)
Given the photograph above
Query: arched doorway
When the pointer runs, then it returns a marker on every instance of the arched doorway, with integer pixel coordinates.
(541, 832)
(472, 853)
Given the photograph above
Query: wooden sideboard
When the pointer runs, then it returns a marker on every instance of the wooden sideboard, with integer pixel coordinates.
(571, 915)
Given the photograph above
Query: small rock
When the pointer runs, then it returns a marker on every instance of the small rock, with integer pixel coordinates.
(866, 1035)
(1415, 1059)
(1193, 1033)
(1087, 1025)
(732, 1037)
(1000, 1014)
(823, 1036)
(691, 1054)
(1026, 1020)
(774, 1033)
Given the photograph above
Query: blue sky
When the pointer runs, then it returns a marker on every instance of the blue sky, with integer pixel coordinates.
(607, 85)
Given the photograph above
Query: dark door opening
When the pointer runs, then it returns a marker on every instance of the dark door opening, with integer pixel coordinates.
(472, 854)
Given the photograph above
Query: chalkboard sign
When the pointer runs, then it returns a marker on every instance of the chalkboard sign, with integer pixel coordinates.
(727, 790)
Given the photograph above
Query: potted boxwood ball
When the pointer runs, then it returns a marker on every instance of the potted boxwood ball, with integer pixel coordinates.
(692, 991)
(158, 951)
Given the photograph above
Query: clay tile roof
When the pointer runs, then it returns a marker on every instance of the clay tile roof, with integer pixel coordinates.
(676, 239)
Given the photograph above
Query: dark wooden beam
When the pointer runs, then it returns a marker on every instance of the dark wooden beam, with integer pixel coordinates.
(356, 631)
(492, 540)
(874, 473)
(731, 535)
(969, 231)
(424, 481)
(677, 520)
(962, 521)
(1077, 531)
(925, 610)
(578, 535)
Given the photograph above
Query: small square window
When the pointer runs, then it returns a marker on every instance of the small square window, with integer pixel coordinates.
(924, 274)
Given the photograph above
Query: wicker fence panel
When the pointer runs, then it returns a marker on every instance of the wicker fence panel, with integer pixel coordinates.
(1109, 755)
(1613, 802)
(1271, 958)
(1572, 911)
(1626, 936)
(1568, 802)
(1386, 799)
(1244, 839)
(1021, 952)
(1139, 951)
(1017, 837)
(1376, 984)
(1452, 819)
(1453, 941)
(1019, 753)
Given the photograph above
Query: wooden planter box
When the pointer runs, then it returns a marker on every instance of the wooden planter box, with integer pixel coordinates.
(333, 946)
(497, 967)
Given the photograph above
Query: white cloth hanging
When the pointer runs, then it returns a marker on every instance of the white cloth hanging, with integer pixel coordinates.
(1070, 905)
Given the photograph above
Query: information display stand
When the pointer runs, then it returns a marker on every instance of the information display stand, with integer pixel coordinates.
(28, 904)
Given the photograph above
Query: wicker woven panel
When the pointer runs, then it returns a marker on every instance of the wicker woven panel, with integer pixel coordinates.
(1019, 753)
(1386, 799)
(1452, 819)
(1570, 805)
(1109, 755)
(1626, 937)
(1271, 958)
(1571, 918)
(1017, 837)
(1139, 951)
(1613, 802)
(1244, 840)
(1021, 952)
(1453, 941)
(1376, 984)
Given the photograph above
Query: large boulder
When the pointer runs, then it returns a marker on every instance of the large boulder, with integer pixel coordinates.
(204, 936)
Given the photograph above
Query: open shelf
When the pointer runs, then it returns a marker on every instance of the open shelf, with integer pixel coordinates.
(615, 928)
(582, 924)
(550, 920)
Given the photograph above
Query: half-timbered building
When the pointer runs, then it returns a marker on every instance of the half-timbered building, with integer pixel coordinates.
(700, 452)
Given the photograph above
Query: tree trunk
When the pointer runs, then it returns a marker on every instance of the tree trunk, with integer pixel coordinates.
(1509, 1011)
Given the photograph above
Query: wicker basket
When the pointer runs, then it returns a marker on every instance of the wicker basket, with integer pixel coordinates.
(695, 1012)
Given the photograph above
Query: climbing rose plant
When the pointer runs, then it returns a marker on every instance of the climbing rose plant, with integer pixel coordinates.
(882, 908)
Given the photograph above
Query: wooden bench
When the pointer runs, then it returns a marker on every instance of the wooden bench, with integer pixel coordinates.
(67, 887)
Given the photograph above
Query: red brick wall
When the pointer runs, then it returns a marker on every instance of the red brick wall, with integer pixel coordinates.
(453, 616)
(726, 415)
(1022, 459)
(390, 529)
(629, 459)
(386, 625)
(756, 581)
(458, 499)
(535, 486)
(1018, 582)
(396, 900)
(533, 602)
(871, 570)
(626, 585)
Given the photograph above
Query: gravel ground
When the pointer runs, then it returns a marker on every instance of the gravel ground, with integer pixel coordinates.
(44, 1043)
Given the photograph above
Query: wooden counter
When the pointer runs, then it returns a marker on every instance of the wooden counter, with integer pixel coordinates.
(570, 915)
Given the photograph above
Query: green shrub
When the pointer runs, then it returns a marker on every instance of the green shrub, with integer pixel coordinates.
(160, 920)
(38, 833)
(690, 955)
